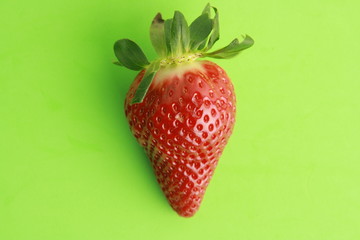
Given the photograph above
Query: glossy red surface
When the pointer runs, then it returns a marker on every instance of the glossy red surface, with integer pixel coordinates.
(184, 124)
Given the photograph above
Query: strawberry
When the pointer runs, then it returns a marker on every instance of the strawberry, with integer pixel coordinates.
(179, 108)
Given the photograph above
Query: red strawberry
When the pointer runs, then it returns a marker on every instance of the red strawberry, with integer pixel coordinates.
(181, 109)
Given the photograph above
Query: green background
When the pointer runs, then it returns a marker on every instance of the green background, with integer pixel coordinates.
(70, 168)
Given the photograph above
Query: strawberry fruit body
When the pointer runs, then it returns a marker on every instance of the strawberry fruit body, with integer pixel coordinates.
(184, 123)
(179, 108)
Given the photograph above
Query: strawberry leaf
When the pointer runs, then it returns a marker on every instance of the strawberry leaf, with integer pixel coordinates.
(200, 29)
(215, 35)
(145, 82)
(180, 36)
(130, 55)
(167, 30)
(207, 10)
(157, 35)
(233, 49)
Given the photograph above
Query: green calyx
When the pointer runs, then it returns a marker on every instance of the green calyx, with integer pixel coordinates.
(176, 43)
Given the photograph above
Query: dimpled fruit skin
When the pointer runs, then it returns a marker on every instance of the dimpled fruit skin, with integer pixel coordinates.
(184, 123)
